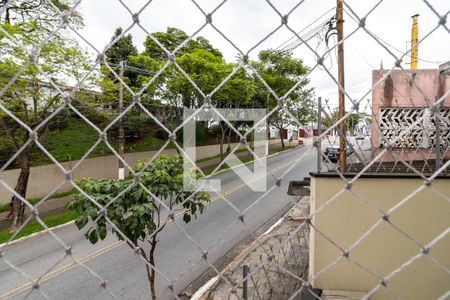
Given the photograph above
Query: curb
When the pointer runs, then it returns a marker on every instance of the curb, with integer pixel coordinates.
(240, 257)
(35, 235)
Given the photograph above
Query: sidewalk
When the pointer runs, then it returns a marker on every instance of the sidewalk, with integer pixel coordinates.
(282, 249)
(54, 206)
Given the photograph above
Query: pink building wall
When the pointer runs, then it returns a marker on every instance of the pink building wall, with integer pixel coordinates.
(397, 91)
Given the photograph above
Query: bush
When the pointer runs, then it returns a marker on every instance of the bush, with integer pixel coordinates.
(200, 135)
(136, 213)
(59, 121)
(160, 133)
(134, 126)
(6, 149)
(100, 119)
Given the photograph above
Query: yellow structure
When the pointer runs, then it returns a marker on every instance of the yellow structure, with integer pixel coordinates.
(424, 216)
(414, 40)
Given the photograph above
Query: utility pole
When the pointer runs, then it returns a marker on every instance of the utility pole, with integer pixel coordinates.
(121, 135)
(342, 127)
(319, 132)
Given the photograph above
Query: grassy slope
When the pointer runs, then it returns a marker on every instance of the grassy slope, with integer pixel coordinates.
(77, 137)
(33, 226)
(72, 142)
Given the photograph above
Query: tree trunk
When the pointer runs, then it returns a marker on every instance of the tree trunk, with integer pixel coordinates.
(21, 189)
(149, 277)
(151, 274)
(222, 139)
(7, 16)
(228, 140)
(281, 137)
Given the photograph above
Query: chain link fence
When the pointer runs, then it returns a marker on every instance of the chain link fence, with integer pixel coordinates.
(402, 139)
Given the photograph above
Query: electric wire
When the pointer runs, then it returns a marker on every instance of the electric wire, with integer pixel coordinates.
(310, 24)
(390, 45)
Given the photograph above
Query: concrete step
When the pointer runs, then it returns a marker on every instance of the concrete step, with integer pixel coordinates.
(341, 295)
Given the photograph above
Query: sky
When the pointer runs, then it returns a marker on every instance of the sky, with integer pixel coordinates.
(247, 22)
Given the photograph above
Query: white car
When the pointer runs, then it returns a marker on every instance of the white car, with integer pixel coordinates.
(360, 136)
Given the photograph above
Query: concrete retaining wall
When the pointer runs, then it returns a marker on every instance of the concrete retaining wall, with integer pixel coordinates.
(44, 179)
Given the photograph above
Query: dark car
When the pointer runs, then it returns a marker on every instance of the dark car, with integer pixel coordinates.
(333, 153)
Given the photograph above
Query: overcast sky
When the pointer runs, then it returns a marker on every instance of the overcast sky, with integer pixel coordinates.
(246, 22)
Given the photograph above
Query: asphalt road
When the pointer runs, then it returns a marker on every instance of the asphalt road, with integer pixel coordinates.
(178, 255)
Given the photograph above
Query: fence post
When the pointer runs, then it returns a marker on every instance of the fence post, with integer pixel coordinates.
(244, 284)
(121, 133)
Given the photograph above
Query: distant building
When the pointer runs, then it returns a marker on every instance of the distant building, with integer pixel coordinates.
(398, 102)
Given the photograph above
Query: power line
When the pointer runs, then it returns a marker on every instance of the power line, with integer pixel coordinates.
(390, 45)
(310, 24)
(133, 69)
(305, 35)
(309, 36)
(403, 52)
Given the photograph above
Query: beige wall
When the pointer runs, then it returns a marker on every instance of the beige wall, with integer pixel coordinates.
(347, 218)
(43, 179)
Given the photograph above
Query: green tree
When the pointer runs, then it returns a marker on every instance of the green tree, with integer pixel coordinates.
(31, 97)
(204, 65)
(196, 58)
(121, 50)
(171, 39)
(281, 72)
(329, 118)
(208, 71)
(305, 109)
(42, 13)
(353, 120)
(235, 93)
(138, 215)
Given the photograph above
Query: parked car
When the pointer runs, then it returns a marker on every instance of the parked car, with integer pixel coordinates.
(360, 136)
(333, 153)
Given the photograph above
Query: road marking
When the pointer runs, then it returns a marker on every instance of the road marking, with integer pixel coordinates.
(116, 244)
(199, 293)
(63, 269)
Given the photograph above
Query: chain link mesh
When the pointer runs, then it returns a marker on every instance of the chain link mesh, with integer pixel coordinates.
(276, 254)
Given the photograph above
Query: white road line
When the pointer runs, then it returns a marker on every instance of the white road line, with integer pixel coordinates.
(204, 288)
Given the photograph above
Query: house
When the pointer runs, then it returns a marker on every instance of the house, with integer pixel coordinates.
(399, 99)
(382, 229)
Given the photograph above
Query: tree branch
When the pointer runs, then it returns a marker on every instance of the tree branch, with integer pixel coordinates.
(9, 133)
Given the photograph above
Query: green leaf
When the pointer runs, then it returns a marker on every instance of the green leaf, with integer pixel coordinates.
(138, 194)
(149, 206)
(81, 221)
(102, 232)
(150, 227)
(119, 211)
(92, 212)
(186, 218)
(93, 236)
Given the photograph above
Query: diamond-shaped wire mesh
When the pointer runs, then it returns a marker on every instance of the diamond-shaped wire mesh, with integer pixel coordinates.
(374, 227)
